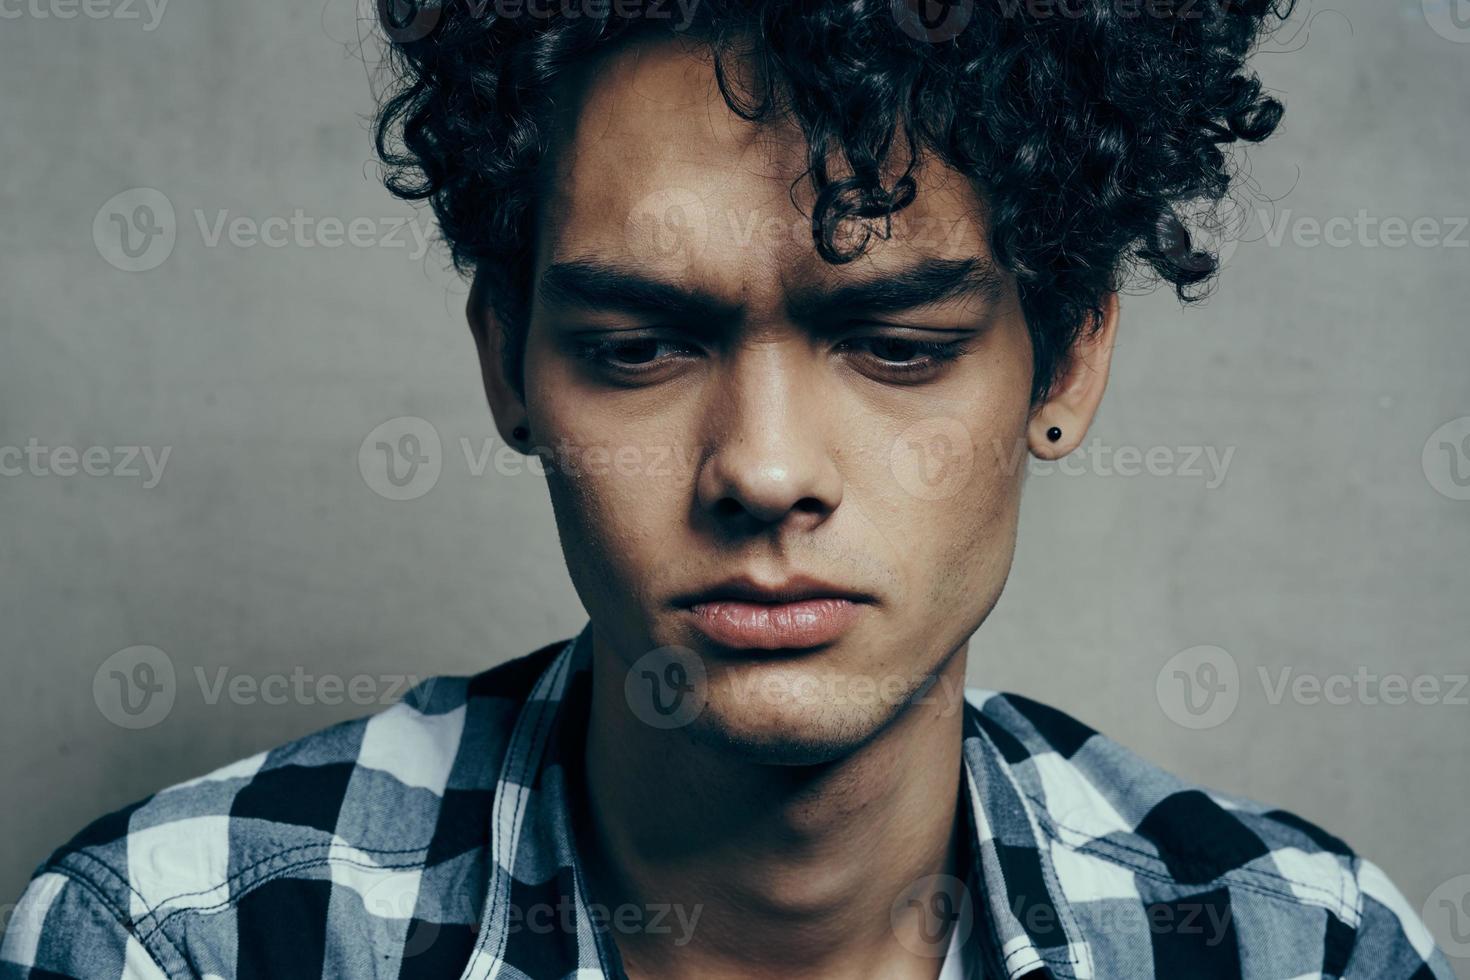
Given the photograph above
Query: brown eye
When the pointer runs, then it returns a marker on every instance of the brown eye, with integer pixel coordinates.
(630, 357)
(638, 351)
(896, 348)
(906, 358)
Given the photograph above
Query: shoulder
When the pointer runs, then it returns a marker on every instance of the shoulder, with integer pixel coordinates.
(1117, 826)
(298, 817)
(1092, 791)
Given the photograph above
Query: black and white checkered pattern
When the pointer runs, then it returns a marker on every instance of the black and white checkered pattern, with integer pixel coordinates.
(412, 844)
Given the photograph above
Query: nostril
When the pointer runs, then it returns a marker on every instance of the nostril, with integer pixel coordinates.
(811, 505)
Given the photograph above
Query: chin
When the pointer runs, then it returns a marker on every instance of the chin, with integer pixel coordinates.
(787, 734)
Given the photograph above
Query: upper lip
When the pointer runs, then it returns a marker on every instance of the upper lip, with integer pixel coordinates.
(793, 589)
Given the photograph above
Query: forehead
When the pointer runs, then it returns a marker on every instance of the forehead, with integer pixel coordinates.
(653, 167)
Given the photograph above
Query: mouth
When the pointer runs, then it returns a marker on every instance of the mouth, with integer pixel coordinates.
(800, 613)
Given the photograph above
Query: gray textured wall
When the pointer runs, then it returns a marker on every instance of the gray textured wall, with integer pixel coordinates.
(1335, 545)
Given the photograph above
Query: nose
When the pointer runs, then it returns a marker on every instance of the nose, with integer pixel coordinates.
(771, 461)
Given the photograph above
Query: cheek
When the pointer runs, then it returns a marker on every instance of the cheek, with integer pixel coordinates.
(975, 554)
(981, 520)
(956, 529)
(608, 532)
(605, 497)
(619, 499)
(944, 489)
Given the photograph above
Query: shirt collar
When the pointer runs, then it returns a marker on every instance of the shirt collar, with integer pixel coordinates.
(1021, 927)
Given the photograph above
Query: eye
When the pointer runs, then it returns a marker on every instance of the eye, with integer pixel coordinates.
(629, 356)
(899, 358)
(908, 358)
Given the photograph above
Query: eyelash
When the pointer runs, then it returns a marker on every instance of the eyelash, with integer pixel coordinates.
(928, 354)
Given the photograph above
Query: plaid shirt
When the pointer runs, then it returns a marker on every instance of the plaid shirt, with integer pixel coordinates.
(415, 843)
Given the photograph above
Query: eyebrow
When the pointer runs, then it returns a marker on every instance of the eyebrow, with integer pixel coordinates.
(594, 284)
(929, 283)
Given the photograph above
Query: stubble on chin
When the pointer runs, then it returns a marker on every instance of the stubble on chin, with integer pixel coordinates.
(794, 733)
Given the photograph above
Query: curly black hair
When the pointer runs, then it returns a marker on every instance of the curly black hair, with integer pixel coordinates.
(1094, 130)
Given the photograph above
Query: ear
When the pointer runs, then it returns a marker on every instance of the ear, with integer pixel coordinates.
(1078, 389)
(506, 406)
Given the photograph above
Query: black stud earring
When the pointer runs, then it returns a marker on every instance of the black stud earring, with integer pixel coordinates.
(520, 432)
(1054, 433)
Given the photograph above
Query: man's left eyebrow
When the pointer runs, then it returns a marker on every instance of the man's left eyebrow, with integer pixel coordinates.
(929, 283)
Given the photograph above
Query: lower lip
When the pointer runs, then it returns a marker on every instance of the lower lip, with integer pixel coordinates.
(775, 625)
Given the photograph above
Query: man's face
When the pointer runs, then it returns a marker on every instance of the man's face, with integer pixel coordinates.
(718, 401)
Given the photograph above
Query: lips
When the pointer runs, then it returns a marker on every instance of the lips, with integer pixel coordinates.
(775, 626)
(796, 614)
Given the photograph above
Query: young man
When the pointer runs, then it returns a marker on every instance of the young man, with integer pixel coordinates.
(780, 293)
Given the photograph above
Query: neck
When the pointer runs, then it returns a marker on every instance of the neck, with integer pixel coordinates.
(771, 870)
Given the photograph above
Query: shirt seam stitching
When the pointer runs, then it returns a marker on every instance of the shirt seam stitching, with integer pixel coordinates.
(234, 899)
(125, 921)
(1243, 877)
